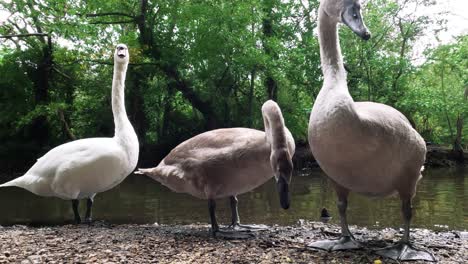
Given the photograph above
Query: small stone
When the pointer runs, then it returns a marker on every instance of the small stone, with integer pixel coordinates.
(7, 254)
(463, 235)
(35, 259)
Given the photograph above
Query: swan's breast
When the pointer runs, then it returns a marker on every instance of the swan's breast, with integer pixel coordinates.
(371, 152)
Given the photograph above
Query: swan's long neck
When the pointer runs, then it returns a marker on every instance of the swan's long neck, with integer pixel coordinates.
(330, 51)
(118, 100)
(275, 129)
(124, 132)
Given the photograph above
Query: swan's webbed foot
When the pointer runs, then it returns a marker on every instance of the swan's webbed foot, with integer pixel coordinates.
(247, 228)
(405, 251)
(343, 243)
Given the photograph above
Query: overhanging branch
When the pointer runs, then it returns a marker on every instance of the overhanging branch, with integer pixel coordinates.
(111, 63)
(113, 22)
(24, 35)
(109, 14)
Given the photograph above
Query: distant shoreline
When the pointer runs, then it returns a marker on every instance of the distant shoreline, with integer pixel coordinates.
(436, 157)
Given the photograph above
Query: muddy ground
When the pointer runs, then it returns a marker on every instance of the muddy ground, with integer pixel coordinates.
(106, 243)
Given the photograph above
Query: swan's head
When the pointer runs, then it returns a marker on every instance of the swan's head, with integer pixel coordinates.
(349, 13)
(121, 54)
(352, 17)
(283, 168)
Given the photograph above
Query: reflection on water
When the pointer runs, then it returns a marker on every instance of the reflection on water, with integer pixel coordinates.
(441, 202)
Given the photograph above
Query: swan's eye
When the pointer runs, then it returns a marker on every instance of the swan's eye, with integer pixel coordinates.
(355, 15)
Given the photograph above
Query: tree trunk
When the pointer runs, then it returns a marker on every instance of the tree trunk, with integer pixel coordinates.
(65, 127)
(166, 112)
(170, 68)
(457, 149)
(250, 98)
(270, 82)
(137, 116)
(40, 126)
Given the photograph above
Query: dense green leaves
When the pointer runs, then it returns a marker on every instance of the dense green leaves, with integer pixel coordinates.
(198, 65)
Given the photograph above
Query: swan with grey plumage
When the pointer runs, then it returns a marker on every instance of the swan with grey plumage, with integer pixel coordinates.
(227, 162)
(80, 169)
(363, 147)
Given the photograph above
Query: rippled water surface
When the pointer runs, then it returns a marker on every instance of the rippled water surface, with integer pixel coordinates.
(441, 203)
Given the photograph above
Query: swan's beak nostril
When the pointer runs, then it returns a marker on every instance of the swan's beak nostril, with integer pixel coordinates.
(366, 35)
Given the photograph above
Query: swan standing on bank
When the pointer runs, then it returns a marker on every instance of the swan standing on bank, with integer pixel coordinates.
(82, 168)
(226, 162)
(364, 147)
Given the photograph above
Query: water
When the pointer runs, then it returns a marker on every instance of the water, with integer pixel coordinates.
(441, 203)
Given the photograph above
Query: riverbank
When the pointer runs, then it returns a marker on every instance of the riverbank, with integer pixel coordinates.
(436, 157)
(105, 243)
(150, 155)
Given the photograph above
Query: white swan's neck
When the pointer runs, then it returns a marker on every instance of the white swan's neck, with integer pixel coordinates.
(121, 121)
(124, 133)
(330, 51)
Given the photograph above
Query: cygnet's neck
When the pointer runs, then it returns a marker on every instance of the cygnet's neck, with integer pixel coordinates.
(330, 51)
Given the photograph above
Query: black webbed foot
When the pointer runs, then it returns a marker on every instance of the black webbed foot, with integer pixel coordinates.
(405, 251)
(343, 243)
(247, 228)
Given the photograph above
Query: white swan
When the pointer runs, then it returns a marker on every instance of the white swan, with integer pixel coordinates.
(226, 162)
(364, 147)
(82, 168)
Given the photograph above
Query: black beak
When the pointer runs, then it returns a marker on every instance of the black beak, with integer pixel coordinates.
(366, 35)
(283, 190)
(353, 19)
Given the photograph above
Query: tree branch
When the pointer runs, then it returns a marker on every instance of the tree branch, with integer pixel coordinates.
(24, 35)
(113, 22)
(65, 125)
(109, 14)
(111, 63)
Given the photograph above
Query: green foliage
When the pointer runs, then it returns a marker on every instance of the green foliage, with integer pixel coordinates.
(198, 65)
(437, 94)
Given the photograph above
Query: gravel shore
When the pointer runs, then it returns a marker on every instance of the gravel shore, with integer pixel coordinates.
(106, 243)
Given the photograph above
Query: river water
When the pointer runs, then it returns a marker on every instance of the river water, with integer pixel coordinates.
(441, 203)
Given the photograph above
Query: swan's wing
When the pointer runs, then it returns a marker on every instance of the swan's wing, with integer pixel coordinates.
(220, 145)
(389, 124)
(380, 112)
(92, 164)
(78, 151)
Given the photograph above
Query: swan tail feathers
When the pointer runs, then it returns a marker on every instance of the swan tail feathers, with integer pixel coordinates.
(18, 182)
